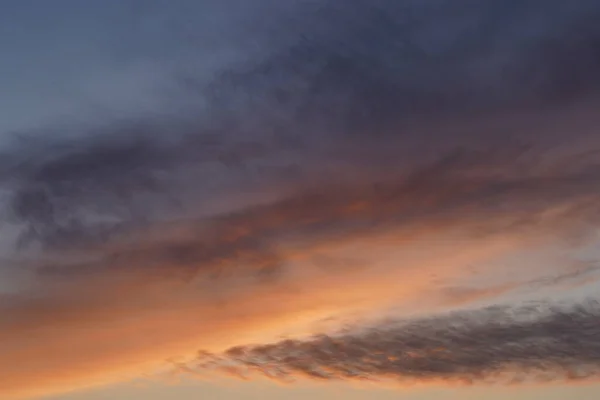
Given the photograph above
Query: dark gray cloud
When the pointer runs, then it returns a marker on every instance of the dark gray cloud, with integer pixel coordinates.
(364, 65)
(535, 343)
(307, 104)
(463, 191)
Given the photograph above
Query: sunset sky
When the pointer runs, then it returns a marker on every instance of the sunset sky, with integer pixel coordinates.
(299, 199)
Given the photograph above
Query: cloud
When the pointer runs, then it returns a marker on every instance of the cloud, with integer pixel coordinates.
(371, 239)
(136, 302)
(357, 159)
(80, 328)
(497, 345)
(582, 273)
(364, 65)
(469, 193)
(312, 100)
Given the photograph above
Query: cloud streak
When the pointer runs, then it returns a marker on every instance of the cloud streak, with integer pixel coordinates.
(468, 192)
(498, 345)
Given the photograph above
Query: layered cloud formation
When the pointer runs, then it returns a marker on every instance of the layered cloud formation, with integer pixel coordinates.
(357, 158)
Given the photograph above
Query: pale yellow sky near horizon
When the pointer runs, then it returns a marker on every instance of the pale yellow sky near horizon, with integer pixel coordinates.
(237, 390)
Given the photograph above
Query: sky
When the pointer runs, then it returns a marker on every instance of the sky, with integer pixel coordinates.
(299, 199)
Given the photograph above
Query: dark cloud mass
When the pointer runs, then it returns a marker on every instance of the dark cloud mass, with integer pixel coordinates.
(323, 84)
(374, 97)
(324, 69)
(498, 345)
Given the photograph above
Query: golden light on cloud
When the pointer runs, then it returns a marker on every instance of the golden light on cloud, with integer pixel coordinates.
(125, 324)
(319, 203)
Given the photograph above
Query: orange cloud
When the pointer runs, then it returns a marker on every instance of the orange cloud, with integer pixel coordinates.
(111, 311)
(84, 331)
